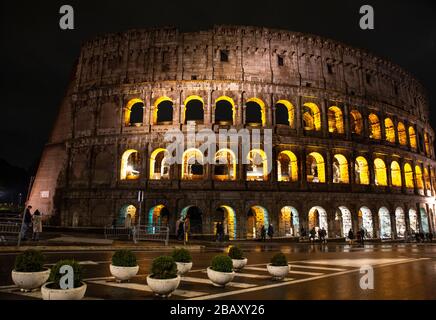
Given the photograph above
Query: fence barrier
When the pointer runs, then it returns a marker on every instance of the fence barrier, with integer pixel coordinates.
(10, 229)
(151, 233)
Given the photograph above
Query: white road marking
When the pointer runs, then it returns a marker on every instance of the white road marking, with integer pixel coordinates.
(207, 281)
(354, 262)
(316, 267)
(292, 271)
(255, 268)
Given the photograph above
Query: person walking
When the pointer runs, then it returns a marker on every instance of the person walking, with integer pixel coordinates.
(362, 236)
(312, 234)
(270, 231)
(263, 233)
(37, 225)
(351, 236)
(302, 233)
(323, 235)
(27, 222)
(180, 229)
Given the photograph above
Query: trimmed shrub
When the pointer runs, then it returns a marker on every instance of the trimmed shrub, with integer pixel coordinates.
(29, 261)
(163, 267)
(279, 260)
(55, 275)
(222, 263)
(181, 255)
(236, 253)
(124, 258)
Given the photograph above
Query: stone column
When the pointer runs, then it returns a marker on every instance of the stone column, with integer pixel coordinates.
(325, 126)
(302, 166)
(298, 116)
(346, 119)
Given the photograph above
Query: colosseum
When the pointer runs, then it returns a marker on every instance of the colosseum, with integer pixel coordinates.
(351, 142)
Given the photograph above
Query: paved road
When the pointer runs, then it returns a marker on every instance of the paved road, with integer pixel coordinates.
(401, 271)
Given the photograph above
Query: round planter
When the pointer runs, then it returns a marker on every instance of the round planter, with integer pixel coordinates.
(183, 267)
(60, 294)
(220, 279)
(30, 280)
(278, 272)
(123, 273)
(163, 287)
(238, 264)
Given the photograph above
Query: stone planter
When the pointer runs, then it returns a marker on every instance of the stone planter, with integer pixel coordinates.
(123, 273)
(238, 264)
(183, 267)
(61, 294)
(28, 281)
(278, 272)
(163, 287)
(220, 279)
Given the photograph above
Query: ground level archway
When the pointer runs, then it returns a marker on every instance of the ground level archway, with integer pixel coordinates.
(289, 222)
(227, 216)
(400, 222)
(193, 219)
(318, 219)
(385, 223)
(365, 221)
(257, 217)
(127, 216)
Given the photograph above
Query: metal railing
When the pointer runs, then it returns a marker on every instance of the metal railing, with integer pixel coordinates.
(114, 232)
(10, 229)
(151, 232)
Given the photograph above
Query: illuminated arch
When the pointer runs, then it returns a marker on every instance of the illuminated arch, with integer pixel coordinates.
(374, 127)
(134, 110)
(186, 104)
(257, 169)
(389, 130)
(256, 218)
(402, 135)
(311, 117)
(315, 168)
(400, 222)
(126, 216)
(344, 218)
(289, 110)
(412, 137)
(192, 164)
(130, 165)
(408, 176)
(335, 120)
(413, 220)
(158, 113)
(261, 105)
(418, 175)
(226, 118)
(158, 216)
(287, 166)
(225, 165)
(427, 144)
(229, 221)
(356, 122)
(340, 169)
(289, 222)
(380, 173)
(159, 167)
(427, 180)
(193, 217)
(361, 169)
(365, 220)
(317, 218)
(385, 223)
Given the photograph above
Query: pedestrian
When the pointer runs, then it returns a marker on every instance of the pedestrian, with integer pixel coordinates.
(180, 229)
(37, 225)
(26, 223)
(324, 235)
(221, 232)
(312, 235)
(320, 235)
(430, 236)
(421, 235)
(270, 231)
(218, 231)
(128, 221)
(302, 233)
(362, 236)
(351, 236)
(263, 233)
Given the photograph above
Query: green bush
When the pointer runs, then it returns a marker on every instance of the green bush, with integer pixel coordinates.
(55, 275)
(181, 255)
(236, 253)
(163, 267)
(222, 263)
(124, 258)
(279, 260)
(29, 261)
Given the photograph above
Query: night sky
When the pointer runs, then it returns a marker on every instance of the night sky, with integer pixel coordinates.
(37, 57)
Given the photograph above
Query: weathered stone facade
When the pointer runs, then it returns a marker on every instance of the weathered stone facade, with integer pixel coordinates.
(80, 166)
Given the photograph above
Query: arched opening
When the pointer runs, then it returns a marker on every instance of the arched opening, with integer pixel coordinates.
(192, 165)
(402, 135)
(408, 176)
(427, 180)
(412, 137)
(343, 221)
(356, 122)
(318, 219)
(287, 166)
(395, 174)
(158, 216)
(257, 167)
(284, 113)
(134, 113)
(126, 216)
(374, 127)
(365, 221)
(335, 120)
(255, 112)
(289, 222)
(193, 219)
(418, 175)
(427, 144)
(400, 222)
(225, 111)
(424, 221)
(380, 172)
(194, 109)
(225, 165)
(389, 130)
(361, 170)
(315, 168)
(163, 111)
(311, 117)
(159, 165)
(413, 221)
(340, 169)
(227, 216)
(385, 223)
(130, 164)
(257, 217)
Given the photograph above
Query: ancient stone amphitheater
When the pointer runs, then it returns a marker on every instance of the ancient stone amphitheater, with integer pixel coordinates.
(352, 144)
